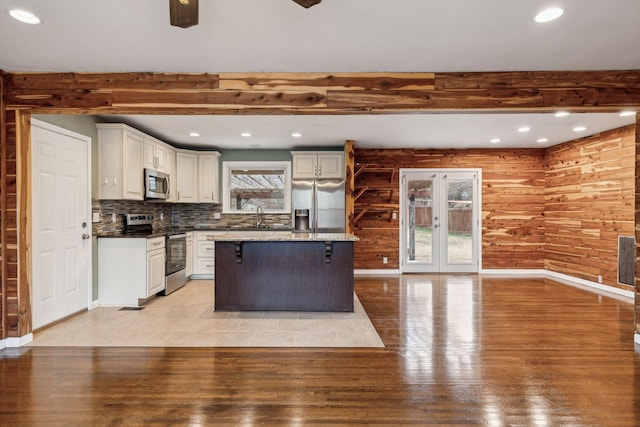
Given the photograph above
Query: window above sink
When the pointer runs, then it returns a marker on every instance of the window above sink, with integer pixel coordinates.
(249, 185)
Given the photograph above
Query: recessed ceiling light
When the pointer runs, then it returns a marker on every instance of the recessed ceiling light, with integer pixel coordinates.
(579, 128)
(542, 140)
(296, 135)
(24, 16)
(562, 114)
(627, 113)
(194, 134)
(246, 134)
(494, 140)
(524, 129)
(548, 15)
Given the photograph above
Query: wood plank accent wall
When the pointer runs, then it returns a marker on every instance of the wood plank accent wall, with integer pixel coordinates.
(3, 259)
(512, 203)
(318, 93)
(589, 202)
(10, 229)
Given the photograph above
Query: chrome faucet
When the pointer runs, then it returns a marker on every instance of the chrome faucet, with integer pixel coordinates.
(259, 213)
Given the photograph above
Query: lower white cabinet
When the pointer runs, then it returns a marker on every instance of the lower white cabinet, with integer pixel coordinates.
(130, 269)
(204, 261)
(189, 267)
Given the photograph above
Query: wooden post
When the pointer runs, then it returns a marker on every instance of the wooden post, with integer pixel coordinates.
(349, 159)
(23, 194)
(637, 233)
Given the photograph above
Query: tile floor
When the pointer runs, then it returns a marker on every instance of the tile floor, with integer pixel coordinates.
(186, 319)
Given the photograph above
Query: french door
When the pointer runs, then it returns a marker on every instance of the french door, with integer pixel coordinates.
(440, 222)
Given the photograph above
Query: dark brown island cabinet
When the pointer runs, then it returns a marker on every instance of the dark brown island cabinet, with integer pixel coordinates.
(278, 271)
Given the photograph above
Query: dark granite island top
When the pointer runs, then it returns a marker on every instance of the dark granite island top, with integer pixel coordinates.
(279, 271)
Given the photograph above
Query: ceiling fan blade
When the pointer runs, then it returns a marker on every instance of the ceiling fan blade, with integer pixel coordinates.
(183, 13)
(307, 3)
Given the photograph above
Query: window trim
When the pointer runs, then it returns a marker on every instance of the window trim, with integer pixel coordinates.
(228, 166)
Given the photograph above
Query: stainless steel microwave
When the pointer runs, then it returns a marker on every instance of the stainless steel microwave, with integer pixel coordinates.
(156, 185)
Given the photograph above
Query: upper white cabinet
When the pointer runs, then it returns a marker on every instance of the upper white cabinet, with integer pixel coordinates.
(318, 164)
(197, 175)
(187, 176)
(120, 151)
(155, 154)
(125, 152)
(208, 177)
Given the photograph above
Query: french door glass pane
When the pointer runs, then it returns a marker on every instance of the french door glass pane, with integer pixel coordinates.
(459, 220)
(420, 220)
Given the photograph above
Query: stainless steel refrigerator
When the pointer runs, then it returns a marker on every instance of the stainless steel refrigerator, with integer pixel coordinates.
(324, 198)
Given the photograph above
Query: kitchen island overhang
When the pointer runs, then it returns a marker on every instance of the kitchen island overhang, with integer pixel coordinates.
(283, 271)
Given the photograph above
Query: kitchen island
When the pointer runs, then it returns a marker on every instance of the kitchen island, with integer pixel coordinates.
(283, 271)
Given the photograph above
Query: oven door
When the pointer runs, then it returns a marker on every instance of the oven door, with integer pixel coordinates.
(176, 247)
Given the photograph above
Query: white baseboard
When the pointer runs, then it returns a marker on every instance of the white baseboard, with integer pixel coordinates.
(389, 272)
(94, 304)
(513, 272)
(636, 338)
(17, 342)
(3, 345)
(574, 281)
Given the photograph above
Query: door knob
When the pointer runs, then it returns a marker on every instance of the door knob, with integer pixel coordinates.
(85, 236)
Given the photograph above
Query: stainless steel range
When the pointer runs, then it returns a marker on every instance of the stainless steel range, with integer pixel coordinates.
(176, 262)
(175, 252)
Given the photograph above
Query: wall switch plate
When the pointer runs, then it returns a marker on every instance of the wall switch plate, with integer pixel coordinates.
(394, 215)
(161, 215)
(599, 278)
(216, 215)
(96, 217)
(113, 217)
(385, 260)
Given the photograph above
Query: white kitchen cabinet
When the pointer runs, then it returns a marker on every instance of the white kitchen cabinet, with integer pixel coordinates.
(189, 266)
(208, 177)
(120, 170)
(130, 270)
(187, 176)
(204, 261)
(318, 164)
(171, 171)
(155, 154)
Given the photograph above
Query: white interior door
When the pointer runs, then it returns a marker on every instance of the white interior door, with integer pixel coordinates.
(440, 225)
(61, 205)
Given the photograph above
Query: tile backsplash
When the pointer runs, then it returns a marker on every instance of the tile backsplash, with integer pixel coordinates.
(176, 215)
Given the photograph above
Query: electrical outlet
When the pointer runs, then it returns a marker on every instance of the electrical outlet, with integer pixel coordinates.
(216, 215)
(96, 217)
(599, 278)
(385, 260)
(161, 215)
(394, 215)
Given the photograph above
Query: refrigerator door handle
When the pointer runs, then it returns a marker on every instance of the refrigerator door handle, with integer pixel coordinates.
(314, 229)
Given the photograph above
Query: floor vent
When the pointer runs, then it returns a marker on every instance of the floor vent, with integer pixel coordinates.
(626, 260)
(132, 308)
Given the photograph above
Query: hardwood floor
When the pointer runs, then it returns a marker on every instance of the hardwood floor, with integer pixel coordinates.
(460, 350)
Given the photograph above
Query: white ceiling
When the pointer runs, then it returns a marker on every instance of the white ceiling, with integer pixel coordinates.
(334, 36)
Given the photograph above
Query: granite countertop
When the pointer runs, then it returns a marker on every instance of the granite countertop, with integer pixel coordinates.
(273, 236)
(130, 235)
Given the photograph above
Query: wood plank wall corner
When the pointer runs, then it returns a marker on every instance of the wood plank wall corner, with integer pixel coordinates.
(322, 93)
